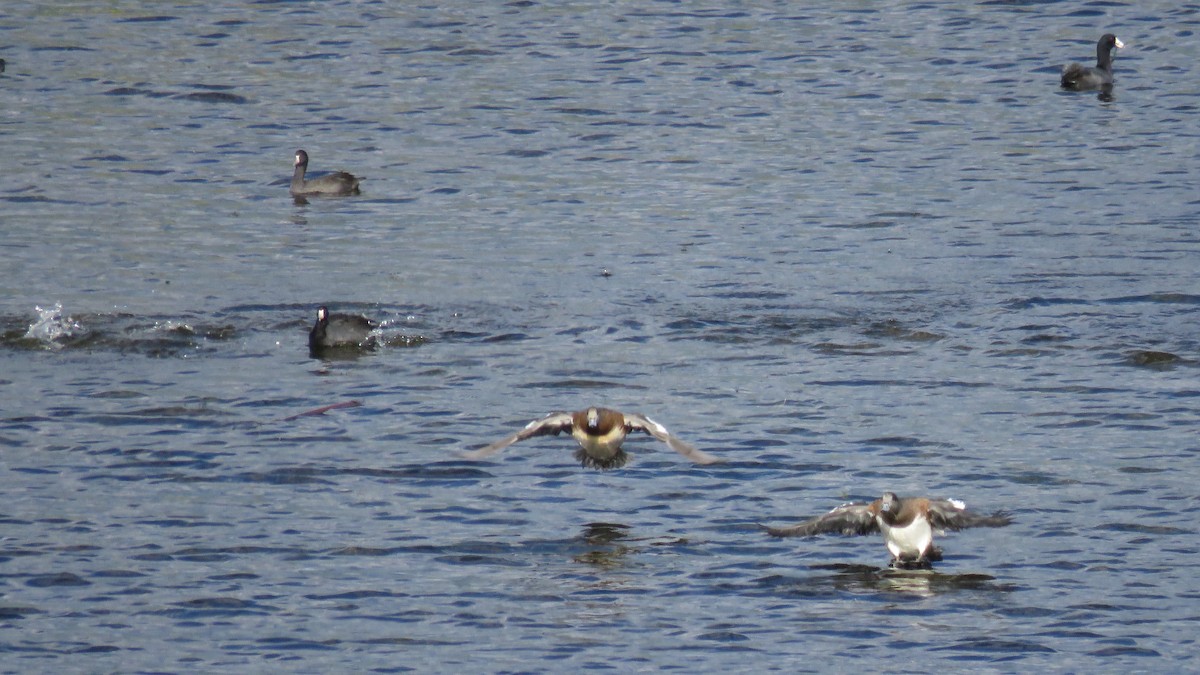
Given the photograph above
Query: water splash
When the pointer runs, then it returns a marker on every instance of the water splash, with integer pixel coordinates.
(51, 326)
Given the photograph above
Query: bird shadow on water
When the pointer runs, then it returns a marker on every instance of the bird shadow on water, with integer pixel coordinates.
(603, 545)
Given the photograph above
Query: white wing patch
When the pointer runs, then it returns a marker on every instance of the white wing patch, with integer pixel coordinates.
(657, 427)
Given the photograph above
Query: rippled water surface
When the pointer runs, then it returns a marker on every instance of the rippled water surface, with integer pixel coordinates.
(850, 248)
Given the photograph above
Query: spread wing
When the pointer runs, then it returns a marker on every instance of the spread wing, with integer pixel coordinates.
(846, 519)
(649, 426)
(951, 514)
(554, 423)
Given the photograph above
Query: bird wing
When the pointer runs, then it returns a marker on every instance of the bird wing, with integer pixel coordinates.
(649, 426)
(849, 519)
(554, 423)
(951, 514)
(353, 320)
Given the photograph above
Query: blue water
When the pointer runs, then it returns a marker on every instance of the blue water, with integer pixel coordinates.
(851, 248)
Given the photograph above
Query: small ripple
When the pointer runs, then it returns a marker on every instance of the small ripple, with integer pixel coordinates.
(1109, 652)
(993, 646)
(1153, 359)
(15, 612)
(212, 97)
(1139, 528)
(148, 19)
(60, 579)
(207, 607)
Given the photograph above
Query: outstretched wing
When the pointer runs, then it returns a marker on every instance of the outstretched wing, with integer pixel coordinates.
(951, 514)
(554, 423)
(645, 424)
(848, 519)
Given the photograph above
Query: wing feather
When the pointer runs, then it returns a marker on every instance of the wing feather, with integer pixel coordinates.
(951, 514)
(847, 519)
(554, 423)
(644, 424)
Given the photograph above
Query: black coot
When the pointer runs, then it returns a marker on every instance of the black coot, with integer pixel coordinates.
(1079, 77)
(339, 330)
(334, 184)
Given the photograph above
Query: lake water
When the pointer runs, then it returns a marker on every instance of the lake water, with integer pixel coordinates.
(849, 248)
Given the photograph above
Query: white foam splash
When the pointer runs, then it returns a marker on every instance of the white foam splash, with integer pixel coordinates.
(171, 326)
(51, 325)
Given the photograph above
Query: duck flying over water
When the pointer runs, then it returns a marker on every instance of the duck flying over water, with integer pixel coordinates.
(907, 524)
(600, 433)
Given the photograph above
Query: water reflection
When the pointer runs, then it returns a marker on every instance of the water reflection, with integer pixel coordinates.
(346, 352)
(607, 544)
(352, 352)
(602, 543)
(919, 582)
(604, 533)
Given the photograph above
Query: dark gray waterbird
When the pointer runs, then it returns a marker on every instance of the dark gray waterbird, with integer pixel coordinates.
(335, 184)
(1078, 77)
(339, 330)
